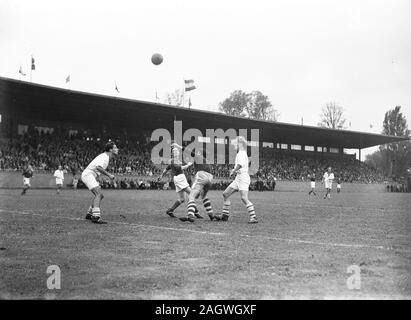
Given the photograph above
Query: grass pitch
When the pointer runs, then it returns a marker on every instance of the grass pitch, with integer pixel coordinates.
(301, 247)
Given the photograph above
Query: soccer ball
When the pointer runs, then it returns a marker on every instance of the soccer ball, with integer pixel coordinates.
(156, 59)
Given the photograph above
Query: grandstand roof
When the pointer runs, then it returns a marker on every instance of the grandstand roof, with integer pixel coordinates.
(33, 102)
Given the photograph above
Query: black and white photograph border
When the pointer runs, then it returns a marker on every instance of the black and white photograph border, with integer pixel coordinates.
(205, 151)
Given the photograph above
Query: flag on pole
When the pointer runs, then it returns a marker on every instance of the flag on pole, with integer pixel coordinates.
(68, 79)
(33, 66)
(117, 89)
(189, 85)
(21, 71)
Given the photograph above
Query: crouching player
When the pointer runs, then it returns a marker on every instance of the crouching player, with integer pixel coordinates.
(179, 179)
(89, 177)
(202, 183)
(241, 183)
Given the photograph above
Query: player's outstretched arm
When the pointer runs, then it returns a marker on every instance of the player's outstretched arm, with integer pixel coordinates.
(187, 165)
(106, 173)
(162, 174)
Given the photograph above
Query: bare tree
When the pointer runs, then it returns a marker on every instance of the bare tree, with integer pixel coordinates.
(175, 98)
(332, 116)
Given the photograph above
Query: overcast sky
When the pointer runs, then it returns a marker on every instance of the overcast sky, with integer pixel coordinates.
(300, 53)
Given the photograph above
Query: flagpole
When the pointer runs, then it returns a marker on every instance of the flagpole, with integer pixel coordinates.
(31, 68)
(184, 92)
(68, 82)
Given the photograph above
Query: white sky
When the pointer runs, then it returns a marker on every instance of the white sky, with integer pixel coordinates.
(300, 53)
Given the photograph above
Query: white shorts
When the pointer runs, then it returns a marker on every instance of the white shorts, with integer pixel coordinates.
(312, 184)
(59, 181)
(328, 185)
(241, 182)
(180, 182)
(202, 181)
(338, 186)
(89, 180)
(26, 181)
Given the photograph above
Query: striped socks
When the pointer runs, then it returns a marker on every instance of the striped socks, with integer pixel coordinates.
(191, 208)
(96, 212)
(207, 206)
(251, 212)
(226, 208)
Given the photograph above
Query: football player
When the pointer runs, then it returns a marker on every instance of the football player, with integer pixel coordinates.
(89, 177)
(240, 184)
(179, 179)
(328, 178)
(59, 175)
(27, 175)
(312, 184)
(338, 185)
(202, 183)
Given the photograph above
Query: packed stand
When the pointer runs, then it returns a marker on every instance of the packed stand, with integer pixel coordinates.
(45, 151)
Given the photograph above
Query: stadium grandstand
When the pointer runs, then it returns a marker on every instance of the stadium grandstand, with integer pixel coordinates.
(48, 126)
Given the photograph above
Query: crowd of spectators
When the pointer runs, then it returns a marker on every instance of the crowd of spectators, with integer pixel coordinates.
(285, 166)
(45, 151)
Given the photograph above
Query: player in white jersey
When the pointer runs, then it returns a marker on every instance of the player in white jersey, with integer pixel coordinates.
(89, 177)
(59, 175)
(241, 183)
(328, 178)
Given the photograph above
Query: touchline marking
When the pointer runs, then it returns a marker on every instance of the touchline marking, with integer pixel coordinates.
(329, 244)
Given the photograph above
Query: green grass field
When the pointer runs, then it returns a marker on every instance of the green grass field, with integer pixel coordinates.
(301, 248)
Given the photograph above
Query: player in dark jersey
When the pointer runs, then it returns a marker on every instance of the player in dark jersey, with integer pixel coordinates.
(338, 185)
(312, 184)
(27, 175)
(201, 185)
(180, 181)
